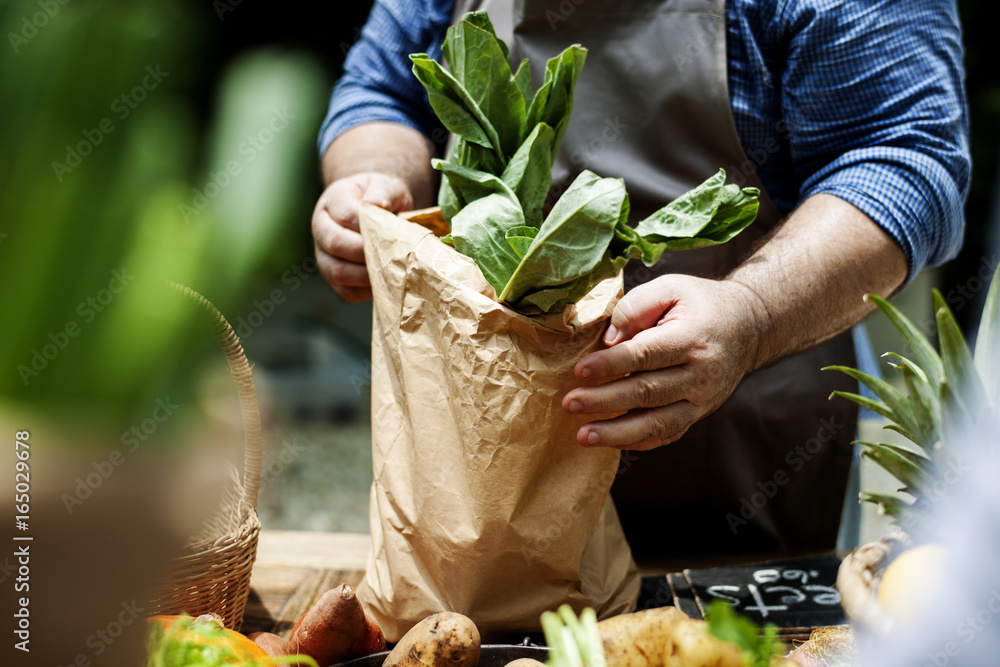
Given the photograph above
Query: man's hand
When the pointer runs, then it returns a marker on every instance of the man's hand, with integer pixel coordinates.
(686, 343)
(339, 252)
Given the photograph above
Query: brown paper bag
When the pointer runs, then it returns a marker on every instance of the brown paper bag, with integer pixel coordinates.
(483, 502)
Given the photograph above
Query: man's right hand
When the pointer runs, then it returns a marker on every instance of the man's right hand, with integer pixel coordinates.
(339, 252)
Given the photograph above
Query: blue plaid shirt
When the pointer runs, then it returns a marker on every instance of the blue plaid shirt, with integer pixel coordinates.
(863, 100)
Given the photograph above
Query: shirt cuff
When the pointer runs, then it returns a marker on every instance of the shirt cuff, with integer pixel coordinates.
(905, 192)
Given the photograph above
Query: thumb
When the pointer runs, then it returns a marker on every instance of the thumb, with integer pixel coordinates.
(638, 310)
(388, 192)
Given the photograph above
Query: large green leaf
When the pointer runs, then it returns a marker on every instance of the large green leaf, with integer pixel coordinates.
(453, 105)
(523, 78)
(987, 358)
(481, 64)
(520, 238)
(468, 184)
(574, 237)
(529, 173)
(708, 214)
(553, 102)
(479, 231)
(628, 244)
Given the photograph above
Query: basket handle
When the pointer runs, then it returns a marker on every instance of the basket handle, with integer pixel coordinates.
(239, 370)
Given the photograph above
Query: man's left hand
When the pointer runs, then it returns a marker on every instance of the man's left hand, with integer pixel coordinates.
(684, 345)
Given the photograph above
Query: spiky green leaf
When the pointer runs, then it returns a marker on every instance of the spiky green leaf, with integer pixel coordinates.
(924, 353)
(987, 358)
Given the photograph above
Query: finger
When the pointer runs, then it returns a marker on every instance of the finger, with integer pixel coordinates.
(353, 294)
(648, 350)
(338, 272)
(341, 202)
(389, 193)
(638, 310)
(640, 430)
(641, 390)
(336, 240)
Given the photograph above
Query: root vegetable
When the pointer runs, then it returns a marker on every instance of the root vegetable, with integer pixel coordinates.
(692, 645)
(271, 643)
(639, 639)
(446, 639)
(525, 662)
(336, 629)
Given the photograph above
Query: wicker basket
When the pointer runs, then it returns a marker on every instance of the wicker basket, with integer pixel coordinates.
(212, 575)
(858, 579)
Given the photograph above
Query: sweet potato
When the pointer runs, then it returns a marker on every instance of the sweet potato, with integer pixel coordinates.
(446, 638)
(639, 639)
(272, 644)
(332, 629)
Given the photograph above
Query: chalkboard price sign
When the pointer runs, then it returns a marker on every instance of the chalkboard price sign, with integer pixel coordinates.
(795, 595)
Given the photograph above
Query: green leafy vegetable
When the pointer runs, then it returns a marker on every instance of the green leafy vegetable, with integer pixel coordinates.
(498, 174)
(193, 643)
(727, 625)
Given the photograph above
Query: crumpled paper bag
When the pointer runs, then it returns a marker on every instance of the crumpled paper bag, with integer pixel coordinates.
(483, 502)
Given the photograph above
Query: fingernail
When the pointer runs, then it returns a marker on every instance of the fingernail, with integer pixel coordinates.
(611, 334)
(575, 406)
(585, 372)
(593, 438)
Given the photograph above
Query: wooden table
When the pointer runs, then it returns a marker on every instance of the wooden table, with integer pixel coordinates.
(293, 569)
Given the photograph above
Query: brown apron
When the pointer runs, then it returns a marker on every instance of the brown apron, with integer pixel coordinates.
(769, 469)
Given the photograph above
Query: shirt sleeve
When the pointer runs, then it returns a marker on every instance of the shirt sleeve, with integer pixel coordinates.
(873, 95)
(377, 84)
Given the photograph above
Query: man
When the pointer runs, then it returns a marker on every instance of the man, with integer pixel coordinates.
(850, 117)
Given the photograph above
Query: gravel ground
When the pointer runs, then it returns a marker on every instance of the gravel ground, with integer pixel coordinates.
(316, 476)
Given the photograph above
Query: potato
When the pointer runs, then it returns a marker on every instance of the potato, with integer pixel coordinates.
(272, 644)
(691, 645)
(446, 639)
(639, 639)
(330, 630)
(525, 662)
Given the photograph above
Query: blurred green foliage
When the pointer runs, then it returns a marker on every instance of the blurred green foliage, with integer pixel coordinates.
(111, 185)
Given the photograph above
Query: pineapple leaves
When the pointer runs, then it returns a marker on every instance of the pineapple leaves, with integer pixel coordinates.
(958, 366)
(888, 505)
(987, 358)
(907, 467)
(895, 406)
(926, 357)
